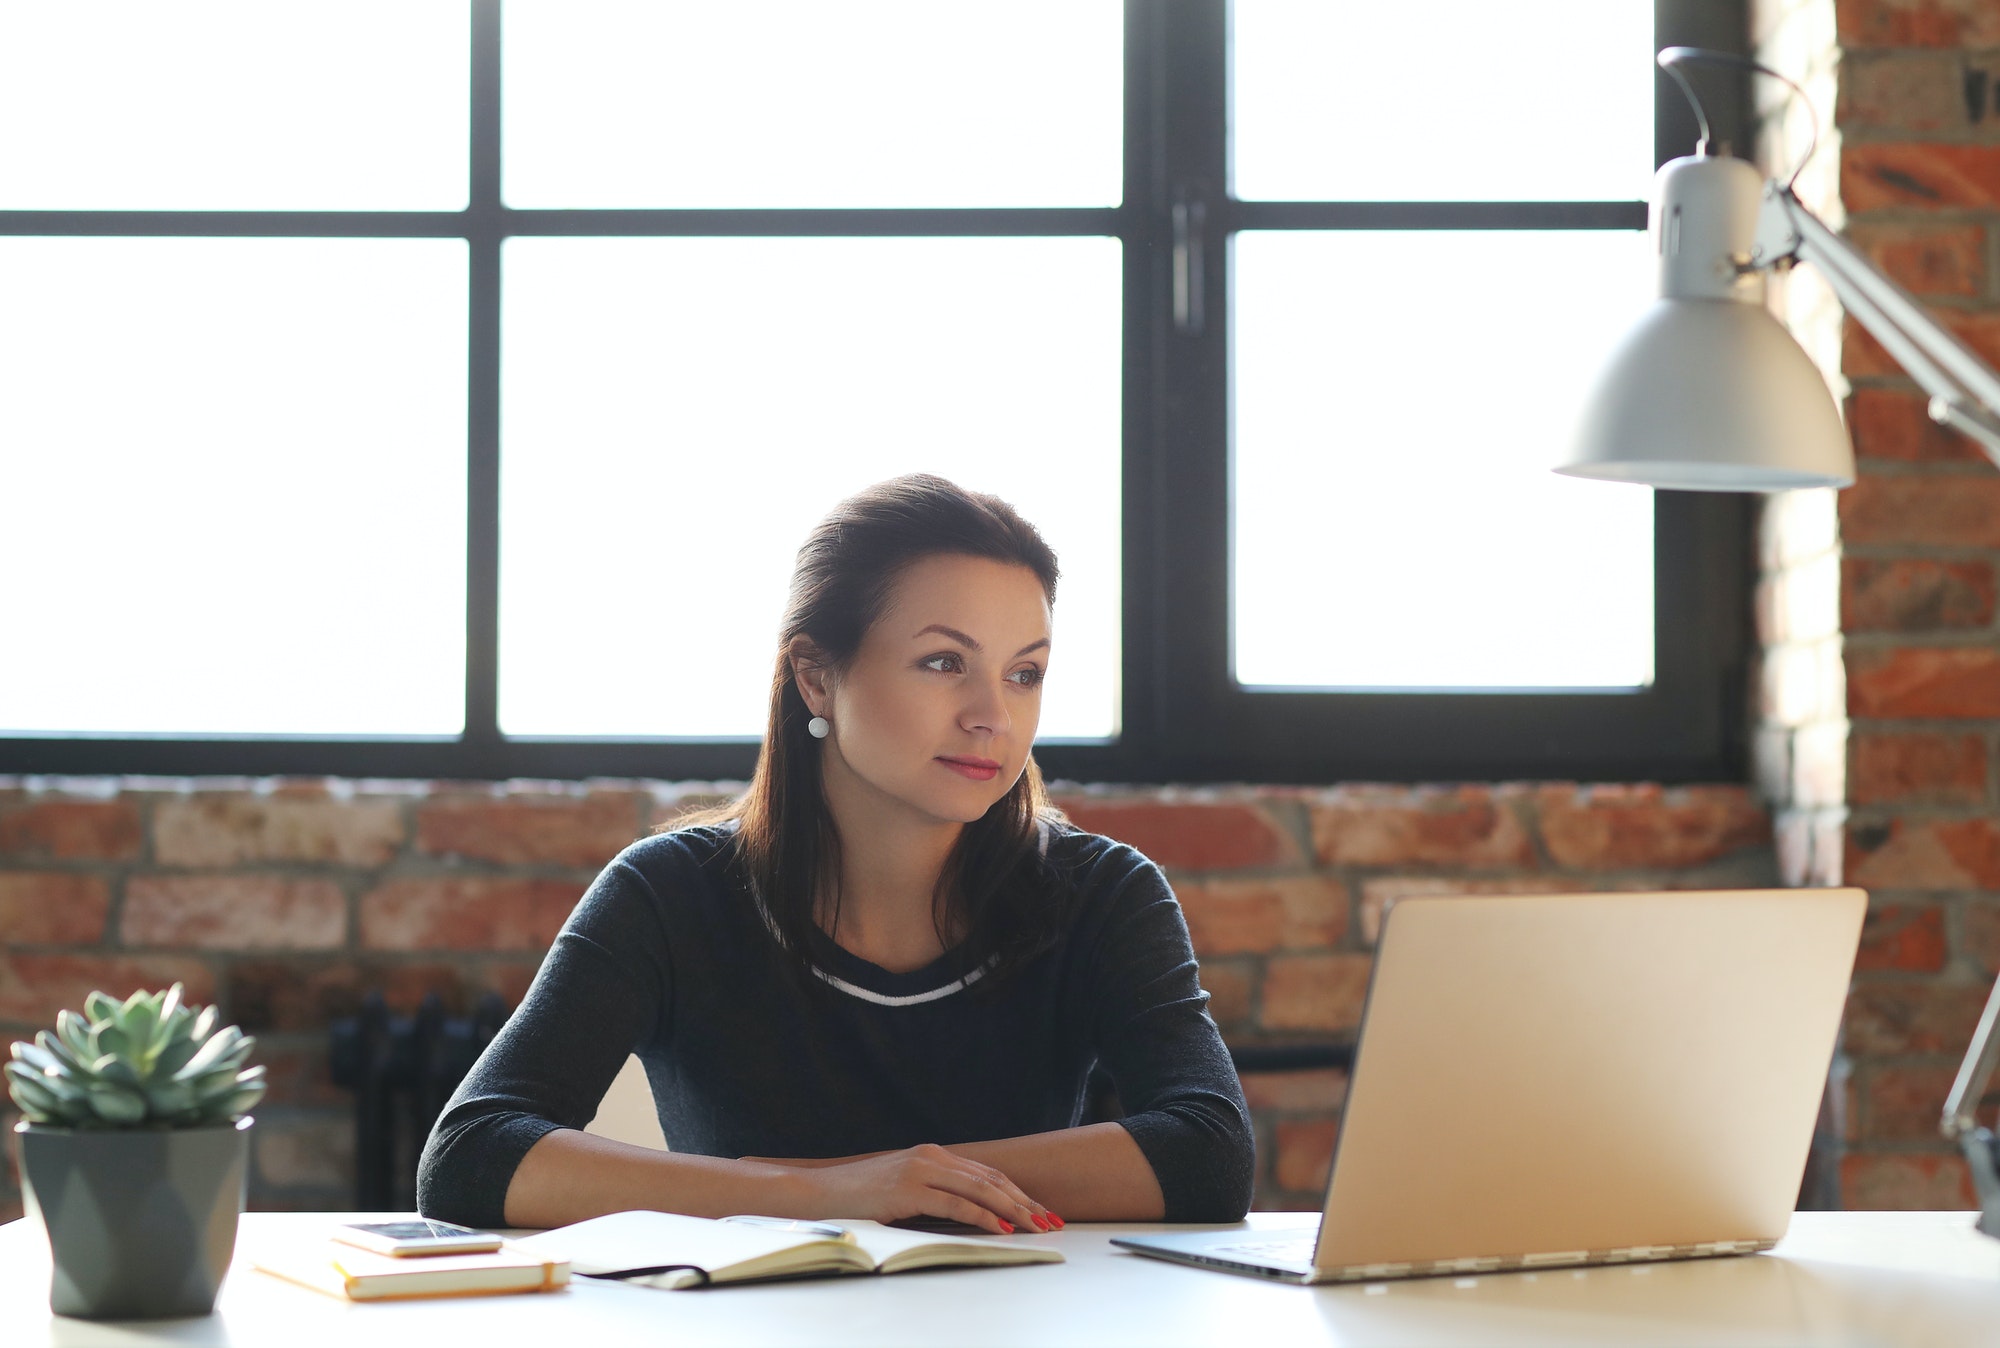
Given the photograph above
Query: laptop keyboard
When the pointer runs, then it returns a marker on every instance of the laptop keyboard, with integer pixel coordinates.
(1298, 1250)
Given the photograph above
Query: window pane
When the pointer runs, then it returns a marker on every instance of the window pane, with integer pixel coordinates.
(1449, 100)
(246, 105)
(235, 469)
(1399, 400)
(677, 413)
(768, 103)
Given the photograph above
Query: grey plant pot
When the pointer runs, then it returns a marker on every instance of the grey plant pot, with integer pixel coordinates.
(141, 1221)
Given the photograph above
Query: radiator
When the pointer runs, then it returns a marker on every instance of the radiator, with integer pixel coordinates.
(402, 1069)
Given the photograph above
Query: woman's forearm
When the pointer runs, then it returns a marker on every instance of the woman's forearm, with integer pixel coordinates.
(1091, 1174)
(570, 1176)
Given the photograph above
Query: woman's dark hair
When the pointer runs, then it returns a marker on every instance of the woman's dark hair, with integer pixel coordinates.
(994, 899)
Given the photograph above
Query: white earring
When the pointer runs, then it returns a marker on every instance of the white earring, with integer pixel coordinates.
(818, 727)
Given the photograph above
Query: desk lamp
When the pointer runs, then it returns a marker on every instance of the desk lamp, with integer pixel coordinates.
(1708, 392)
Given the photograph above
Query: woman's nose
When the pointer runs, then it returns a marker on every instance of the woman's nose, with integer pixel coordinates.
(987, 711)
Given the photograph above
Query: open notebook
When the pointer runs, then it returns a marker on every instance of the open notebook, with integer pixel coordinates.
(664, 1249)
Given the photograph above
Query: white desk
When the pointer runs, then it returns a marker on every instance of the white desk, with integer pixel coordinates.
(1884, 1278)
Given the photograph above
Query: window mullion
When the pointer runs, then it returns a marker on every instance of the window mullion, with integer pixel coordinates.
(485, 225)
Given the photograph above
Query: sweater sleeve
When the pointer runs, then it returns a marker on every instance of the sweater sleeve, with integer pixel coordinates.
(602, 991)
(1183, 1101)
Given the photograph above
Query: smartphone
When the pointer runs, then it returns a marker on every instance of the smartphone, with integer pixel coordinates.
(419, 1237)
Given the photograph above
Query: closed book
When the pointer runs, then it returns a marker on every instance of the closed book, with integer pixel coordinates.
(665, 1249)
(361, 1275)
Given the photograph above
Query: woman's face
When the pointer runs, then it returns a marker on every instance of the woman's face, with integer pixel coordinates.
(938, 710)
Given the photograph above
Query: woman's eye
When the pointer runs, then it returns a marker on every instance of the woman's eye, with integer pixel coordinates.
(944, 662)
(1029, 677)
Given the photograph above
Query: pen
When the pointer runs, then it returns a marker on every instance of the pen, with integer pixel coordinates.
(826, 1230)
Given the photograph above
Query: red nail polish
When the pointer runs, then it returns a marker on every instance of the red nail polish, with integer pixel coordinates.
(1007, 1226)
(1060, 1223)
(1042, 1224)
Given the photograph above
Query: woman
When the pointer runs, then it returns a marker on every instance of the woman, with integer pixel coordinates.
(876, 985)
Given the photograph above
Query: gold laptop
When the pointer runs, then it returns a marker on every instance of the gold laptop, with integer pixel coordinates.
(1572, 1079)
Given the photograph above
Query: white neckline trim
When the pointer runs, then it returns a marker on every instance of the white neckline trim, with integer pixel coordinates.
(914, 999)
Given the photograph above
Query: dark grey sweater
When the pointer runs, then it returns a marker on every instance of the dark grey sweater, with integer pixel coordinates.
(667, 956)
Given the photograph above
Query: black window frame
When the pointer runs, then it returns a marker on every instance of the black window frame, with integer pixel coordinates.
(1183, 718)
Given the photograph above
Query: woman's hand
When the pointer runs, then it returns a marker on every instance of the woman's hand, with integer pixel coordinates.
(922, 1181)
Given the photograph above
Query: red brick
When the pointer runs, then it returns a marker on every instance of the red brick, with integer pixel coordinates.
(1646, 826)
(466, 914)
(1922, 1182)
(233, 912)
(1188, 835)
(1232, 917)
(1305, 1154)
(1909, 1017)
(1901, 855)
(510, 978)
(1315, 992)
(1980, 936)
(1894, 425)
(1934, 511)
(529, 830)
(1378, 894)
(1960, 681)
(1901, 1102)
(1905, 936)
(226, 830)
(1423, 826)
(659, 812)
(34, 987)
(300, 1076)
(1926, 854)
(1902, 91)
(295, 1152)
(1914, 596)
(306, 995)
(1861, 355)
(1917, 23)
(1927, 259)
(1875, 175)
(52, 908)
(1916, 769)
(1321, 1090)
(70, 830)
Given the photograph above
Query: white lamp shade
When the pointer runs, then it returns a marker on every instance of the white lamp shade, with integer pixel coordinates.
(1711, 395)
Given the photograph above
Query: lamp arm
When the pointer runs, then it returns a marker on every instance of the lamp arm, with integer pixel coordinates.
(1974, 1072)
(1965, 394)
(1965, 390)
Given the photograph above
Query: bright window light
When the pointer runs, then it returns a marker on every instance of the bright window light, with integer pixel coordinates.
(677, 413)
(1399, 399)
(767, 103)
(232, 486)
(1359, 100)
(213, 105)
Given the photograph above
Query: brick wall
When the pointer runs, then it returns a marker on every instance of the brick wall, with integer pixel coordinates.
(285, 901)
(1914, 173)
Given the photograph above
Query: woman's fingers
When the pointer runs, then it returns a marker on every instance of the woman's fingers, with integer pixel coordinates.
(959, 1209)
(1028, 1207)
(991, 1190)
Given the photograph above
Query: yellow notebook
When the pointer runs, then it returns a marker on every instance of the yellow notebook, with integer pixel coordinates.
(664, 1249)
(361, 1275)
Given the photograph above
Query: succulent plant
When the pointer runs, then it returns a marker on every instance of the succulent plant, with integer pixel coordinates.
(147, 1062)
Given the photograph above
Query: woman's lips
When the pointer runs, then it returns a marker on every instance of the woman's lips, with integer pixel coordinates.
(978, 769)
